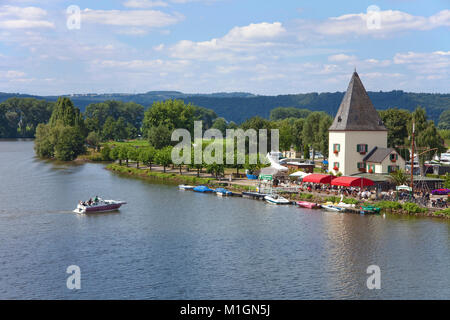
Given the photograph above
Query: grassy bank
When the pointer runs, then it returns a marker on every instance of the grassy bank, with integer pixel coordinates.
(159, 176)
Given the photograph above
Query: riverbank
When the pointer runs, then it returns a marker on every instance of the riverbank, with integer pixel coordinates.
(238, 186)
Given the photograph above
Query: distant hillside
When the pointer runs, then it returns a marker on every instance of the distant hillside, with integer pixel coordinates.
(238, 106)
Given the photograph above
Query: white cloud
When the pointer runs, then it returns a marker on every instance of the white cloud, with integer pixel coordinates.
(12, 74)
(341, 58)
(12, 17)
(391, 21)
(142, 65)
(437, 62)
(144, 4)
(237, 40)
(131, 18)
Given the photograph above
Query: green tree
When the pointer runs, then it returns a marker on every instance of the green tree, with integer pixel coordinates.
(106, 153)
(444, 120)
(43, 144)
(68, 142)
(427, 137)
(164, 157)
(215, 169)
(147, 156)
(281, 113)
(396, 121)
(108, 131)
(159, 136)
(133, 154)
(286, 133)
(122, 154)
(297, 133)
(114, 154)
(311, 129)
(220, 124)
(399, 177)
(64, 136)
(324, 125)
(93, 140)
(172, 114)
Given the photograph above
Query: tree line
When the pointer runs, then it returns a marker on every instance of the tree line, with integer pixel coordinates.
(63, 124)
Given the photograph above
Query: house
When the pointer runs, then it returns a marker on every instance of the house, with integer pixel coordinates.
(292, 154)
(358, 137)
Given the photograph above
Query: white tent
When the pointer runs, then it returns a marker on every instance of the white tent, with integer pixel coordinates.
(403, 187)
(275, 163)
(300, 174)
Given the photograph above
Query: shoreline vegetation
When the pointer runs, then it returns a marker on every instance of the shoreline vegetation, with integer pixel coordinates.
(124, 133)
(390, 207)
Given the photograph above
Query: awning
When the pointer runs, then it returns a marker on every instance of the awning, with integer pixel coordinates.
(319, 178)
(352, 182)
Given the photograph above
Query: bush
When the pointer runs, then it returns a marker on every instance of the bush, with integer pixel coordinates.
(350, 201)
(412, 208)
(445, 213)
(388, 205)
(333, 199)
(305, 196)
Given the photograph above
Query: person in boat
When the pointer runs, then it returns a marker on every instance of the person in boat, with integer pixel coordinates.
(96, 199)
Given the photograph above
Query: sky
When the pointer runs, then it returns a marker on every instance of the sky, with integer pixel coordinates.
(266, 47)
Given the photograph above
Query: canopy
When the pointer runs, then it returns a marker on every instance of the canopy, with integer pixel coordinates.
(300, 174)
(352, 182)
(403, 187)
(318, 178)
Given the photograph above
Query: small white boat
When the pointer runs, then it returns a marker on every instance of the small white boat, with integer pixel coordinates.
(221, 192)
(185, 187)
(276, 199)
(331, 207)
(98, 205)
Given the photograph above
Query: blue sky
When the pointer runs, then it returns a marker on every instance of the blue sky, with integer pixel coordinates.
(202, 46)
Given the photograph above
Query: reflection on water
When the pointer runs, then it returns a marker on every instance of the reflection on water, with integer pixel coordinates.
(170, 244)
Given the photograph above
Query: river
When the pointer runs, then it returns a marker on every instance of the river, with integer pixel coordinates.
(170, 244)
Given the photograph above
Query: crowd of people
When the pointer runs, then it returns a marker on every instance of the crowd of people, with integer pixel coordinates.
(420, 197)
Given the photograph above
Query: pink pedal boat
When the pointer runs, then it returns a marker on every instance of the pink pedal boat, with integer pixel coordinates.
(307, 204)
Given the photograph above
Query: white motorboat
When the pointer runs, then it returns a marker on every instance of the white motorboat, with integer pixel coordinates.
(185, 187)
(331, 207)
(98, 205)
(276, 199)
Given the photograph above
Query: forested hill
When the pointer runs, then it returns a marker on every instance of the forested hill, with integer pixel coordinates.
(238, 107)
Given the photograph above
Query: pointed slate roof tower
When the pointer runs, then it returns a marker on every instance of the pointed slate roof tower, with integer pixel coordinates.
(356, 112)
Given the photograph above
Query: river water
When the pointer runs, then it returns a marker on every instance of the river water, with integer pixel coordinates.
(170, 244)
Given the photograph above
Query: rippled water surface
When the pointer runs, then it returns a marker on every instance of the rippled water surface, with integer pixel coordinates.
(170, 244)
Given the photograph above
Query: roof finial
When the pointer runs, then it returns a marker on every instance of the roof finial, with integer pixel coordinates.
(355, 69)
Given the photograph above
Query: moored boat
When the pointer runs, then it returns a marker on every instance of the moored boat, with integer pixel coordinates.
(307, 204)
(203, 189)
(276, 199)
(185, 187)
(223, 192)
(369, 209)
(331, 207)
(98, 205)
